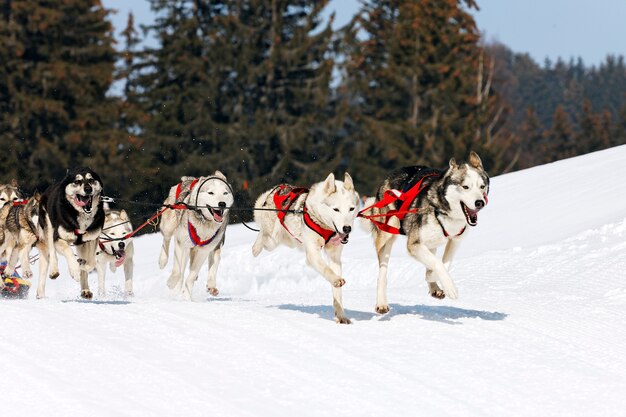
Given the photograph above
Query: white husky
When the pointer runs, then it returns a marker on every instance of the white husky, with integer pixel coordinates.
(315, 219)
(199, 231)
(115, 249)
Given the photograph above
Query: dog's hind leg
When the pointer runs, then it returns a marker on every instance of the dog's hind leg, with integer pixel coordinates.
(334, 257)
(165, 250)
(181, 256)
(430, 261)
(384, 243)
(258, 246)
(214, 262)
(168, 225)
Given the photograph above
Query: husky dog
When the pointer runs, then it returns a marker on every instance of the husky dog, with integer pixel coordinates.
(71, 213)
(439, 214)
(115, 249)
(9, 193)
(315, 219)
(19, 231)
(198, 231)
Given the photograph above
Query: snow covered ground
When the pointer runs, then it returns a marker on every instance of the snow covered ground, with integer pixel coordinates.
(538, 329)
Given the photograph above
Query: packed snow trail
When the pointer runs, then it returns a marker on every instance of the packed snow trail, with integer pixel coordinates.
(538, 329)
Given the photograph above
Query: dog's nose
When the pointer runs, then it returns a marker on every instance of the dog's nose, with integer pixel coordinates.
(479, 204)
(88, 189)
(347, 229)
(121, 245)
(221, 204)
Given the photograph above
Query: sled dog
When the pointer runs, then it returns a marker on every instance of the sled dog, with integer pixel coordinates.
(314, 219)
(9, 193)
(115, 249)
(19, 231)
(198, 231)
(446, 203)
(71, 213)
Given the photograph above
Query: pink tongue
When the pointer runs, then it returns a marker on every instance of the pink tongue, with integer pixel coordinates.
(120, 261)
(217, 217)
(79, 203)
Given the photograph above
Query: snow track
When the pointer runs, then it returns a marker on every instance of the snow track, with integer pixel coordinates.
(538, 329)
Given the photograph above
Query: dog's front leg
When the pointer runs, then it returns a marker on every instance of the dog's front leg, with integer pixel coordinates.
(334, 257)
(181, 255)
(52, 253)
(384, 243)
(420, 252)
(101, 269)
(44, 259)
(85, 292)
(128, 270)
(314, 258)
(431, 279)
(87, 255)
(66, 250)
(214, 262)
(24, 251)
(197, 258)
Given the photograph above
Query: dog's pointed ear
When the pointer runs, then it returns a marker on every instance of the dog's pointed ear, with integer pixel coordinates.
(347, 182)
(474, 161)
(123, 215)
(329, 184)
(14, 182)
(453, 163)
(219, 174)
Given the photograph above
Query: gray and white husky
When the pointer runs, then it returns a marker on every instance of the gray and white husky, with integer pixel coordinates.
(198, 232)
(322, 221)
(115, 249)
(449, 202)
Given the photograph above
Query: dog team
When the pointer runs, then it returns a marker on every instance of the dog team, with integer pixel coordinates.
(431, 207)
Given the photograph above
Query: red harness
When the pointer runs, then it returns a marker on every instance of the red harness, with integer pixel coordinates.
(391, 197)
(283, 201)
(193, 235)
(180, 185)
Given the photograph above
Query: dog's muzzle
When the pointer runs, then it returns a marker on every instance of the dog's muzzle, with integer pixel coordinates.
(84, 201)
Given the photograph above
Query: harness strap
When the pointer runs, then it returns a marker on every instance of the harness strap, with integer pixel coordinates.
(390, 197)
(179, 188)
(103, 248)
(284, 201)
(195, 238)
(324, 233)
(20, 203)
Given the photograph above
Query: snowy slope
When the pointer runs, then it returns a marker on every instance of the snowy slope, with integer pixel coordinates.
(538, 329)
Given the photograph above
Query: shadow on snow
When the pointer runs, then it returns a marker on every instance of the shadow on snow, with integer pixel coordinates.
(443, 314)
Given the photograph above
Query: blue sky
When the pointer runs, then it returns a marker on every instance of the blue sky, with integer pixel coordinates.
(543, 28)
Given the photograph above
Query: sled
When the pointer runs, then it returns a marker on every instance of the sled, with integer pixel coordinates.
(14, 286)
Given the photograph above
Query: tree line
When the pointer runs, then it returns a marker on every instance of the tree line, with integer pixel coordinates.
(266, 91)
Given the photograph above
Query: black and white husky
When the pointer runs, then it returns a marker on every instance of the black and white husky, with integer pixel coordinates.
(70, 213)
(433, 207)
(318, 219)
(198, 231)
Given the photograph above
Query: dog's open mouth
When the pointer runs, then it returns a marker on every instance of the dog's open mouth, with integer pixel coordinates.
(470, 215)
(120, 256)
(217, 213)
(340, 238)
(84, 201)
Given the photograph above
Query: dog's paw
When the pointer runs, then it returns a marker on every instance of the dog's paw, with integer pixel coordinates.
(450, 292)
(81, 261)
(162, 261)
(213, 291)
(86, 294)
(438, 293)
(54, 275)
(40, 296)
(383, 309)
(130, 294)
(173, 281)
(343, 320)
(28, 274)
(338, 283)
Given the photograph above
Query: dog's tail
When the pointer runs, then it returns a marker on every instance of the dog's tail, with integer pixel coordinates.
(367, 224)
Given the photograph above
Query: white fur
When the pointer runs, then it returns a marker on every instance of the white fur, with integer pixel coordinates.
(116, 225)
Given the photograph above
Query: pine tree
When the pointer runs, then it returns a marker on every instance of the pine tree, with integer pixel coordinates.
(238, 86)
(560, 138)
(57, 66)
(420, 84)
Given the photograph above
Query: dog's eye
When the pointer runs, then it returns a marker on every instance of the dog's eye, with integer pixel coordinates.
(211, 193)
(465, 187)
(14, 198)
(226, 193)
(76, 182)
(482, 187)
(336, 209)
(351, 208)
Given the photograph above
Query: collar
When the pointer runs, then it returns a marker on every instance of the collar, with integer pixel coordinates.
(195, 238)
(324, 233)
(443, 229)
